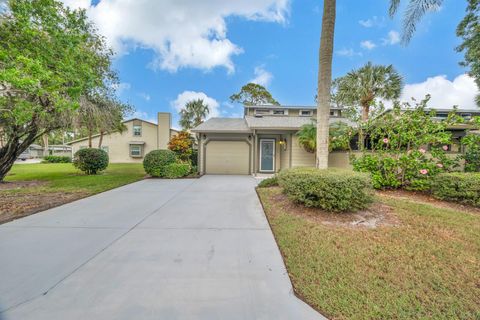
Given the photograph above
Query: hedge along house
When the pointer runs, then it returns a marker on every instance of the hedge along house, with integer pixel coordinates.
(131, 145)
(263, 141)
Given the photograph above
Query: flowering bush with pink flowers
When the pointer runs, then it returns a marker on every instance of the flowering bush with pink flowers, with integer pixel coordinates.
(408, 148)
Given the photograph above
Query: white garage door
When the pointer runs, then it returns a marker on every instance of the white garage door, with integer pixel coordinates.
(227, 157)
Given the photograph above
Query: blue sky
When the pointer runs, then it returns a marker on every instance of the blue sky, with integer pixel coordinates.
(170, 52)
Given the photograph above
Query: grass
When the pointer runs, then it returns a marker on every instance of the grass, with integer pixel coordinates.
(39, 186)
(427, 267)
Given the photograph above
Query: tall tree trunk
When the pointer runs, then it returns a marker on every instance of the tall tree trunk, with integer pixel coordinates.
(325, 81)
(100, 139)
(89, 138)
(361, 134)
(45, 144)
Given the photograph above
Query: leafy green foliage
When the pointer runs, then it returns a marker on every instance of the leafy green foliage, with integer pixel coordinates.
(469, 31)
(156, 161)
(182, 145)
(56, 159)
(253, 94)
(49, 57)
(408, 148)
(193, 114)
(90, 160)
(472, 153)
(340, 136)
(331, 190)
(268, 182)
(176, 170)
(458, 187)
(365, 86)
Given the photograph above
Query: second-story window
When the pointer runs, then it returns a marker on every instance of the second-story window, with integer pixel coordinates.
(137, 130)
(305, 113)
(279, 112)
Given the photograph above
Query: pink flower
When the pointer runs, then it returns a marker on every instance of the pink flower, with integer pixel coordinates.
(439, 165)
(422, 150)
(385, 140)
(424, 171)
(445, 148)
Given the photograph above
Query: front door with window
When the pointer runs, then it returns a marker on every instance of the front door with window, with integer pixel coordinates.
(267, 155)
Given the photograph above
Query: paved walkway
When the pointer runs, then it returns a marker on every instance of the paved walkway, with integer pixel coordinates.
(155, 249)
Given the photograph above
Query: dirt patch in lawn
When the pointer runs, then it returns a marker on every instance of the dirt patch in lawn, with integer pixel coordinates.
(378, 214)
(428, 199)
(16, 185)
(15, 205)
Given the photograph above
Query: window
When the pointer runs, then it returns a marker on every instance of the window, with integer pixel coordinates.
(104, 148)
(305, 113)
(467, 116)
(135, 150)
(279, 112)
(137, 130)
(262, 111)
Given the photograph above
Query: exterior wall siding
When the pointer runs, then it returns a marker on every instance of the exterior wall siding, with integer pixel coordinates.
(300, 157)
(119, 143)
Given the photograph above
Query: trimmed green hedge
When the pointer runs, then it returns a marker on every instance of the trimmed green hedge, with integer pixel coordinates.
(459, 187)
(156, 161)
(176, 170)
(90, 160)
(331, 190)
(268, 182)
(56, 159)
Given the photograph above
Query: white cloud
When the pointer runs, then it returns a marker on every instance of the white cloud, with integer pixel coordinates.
(188, 33)
(367, 44)
(348, 52)
(444, 93)
(74, 4)
(393, 37)
(262, 76)
(187, 96)
(372, 22)
(145, 96)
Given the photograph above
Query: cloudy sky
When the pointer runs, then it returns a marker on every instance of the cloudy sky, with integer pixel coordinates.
(171, 51)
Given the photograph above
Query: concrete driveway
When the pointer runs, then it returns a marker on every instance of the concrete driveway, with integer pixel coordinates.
(155, 249)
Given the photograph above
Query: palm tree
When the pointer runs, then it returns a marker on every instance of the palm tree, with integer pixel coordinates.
(416, 9)
(193, 114)
(307, 137)
(325, 81)
(364, 86)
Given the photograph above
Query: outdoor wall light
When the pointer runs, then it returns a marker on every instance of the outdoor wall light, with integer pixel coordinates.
(283, 143)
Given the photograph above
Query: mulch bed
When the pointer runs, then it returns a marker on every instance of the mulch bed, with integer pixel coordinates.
(377, 215)
(15, 205)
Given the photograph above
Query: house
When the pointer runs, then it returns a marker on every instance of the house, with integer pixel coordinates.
(263, 141)
(32, 152)
(131, 145)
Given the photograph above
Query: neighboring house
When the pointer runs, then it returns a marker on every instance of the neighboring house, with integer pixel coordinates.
(33, 151)
(131, 145)
(263, 141)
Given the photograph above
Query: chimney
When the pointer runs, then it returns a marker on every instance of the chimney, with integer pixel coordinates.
(163, 134)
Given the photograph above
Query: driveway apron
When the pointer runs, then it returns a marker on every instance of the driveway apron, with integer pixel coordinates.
(155, 249)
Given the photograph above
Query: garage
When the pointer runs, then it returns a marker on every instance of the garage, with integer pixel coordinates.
(227, 157)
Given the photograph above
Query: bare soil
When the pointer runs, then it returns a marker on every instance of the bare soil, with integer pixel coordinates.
(376, 215)
(16, 185)
(15, 205)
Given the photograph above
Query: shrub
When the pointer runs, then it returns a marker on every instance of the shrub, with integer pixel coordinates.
(459, 187)
(268, 182)
(182, 145)
(156, 161)
(90, 160)
(331, 190)
(56, 159)
(176, 170)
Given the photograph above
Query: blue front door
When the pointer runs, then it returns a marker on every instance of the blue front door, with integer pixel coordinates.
(267, 155)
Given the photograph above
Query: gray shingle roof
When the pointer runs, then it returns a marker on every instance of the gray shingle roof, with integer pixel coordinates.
(223, 125)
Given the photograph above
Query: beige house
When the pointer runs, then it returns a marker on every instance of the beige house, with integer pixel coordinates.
(139, 138)
(263, 141)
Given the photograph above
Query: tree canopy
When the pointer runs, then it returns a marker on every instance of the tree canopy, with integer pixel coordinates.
(193, 114)
(253, 94)
(50, 56)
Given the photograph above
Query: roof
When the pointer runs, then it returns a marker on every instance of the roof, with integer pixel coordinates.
(272, 106)
(234, 125)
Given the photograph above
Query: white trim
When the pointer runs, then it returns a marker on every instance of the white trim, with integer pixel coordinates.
(273, 156)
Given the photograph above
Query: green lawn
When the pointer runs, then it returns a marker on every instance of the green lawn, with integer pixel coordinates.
(55, 184)
(425, 267)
